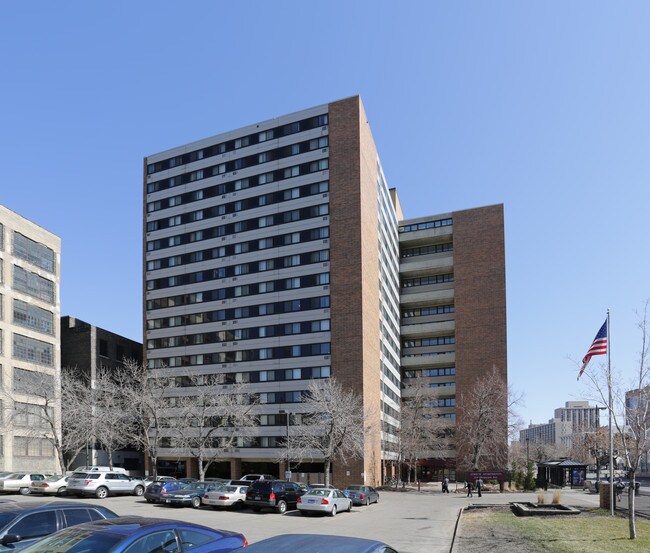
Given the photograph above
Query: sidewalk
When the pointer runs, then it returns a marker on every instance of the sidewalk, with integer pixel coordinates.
(641, 504)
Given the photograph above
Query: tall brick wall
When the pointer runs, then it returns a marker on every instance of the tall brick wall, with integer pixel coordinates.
(480, 301)
(354, 269)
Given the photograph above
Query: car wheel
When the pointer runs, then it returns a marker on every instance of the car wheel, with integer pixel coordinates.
(139, 490)
(62, 491)
(282, 507)
(350, 507)
(149, 500)
(24, 491)
(333, 512)
(101, 493)
(377, 500)
(367, 502)
(196, 502)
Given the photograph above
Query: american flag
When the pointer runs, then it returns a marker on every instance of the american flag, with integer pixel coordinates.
(598, 347)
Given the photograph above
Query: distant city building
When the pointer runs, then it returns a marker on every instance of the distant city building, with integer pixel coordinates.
(276, 254)
(30, 258)
(574, 418)
(89, 348)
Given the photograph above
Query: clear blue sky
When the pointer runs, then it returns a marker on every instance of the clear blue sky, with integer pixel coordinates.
(543, 106)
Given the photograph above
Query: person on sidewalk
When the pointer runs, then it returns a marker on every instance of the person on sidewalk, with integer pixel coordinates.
(445, 485)
(479, 486)
(470, 488)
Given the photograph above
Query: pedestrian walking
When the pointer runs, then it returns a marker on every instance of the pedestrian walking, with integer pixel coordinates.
(445, 485)
(470, 488)
(479, 486)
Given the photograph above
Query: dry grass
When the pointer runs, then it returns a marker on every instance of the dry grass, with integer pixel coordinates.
(588, 532)
(557, 496)
(540, 499)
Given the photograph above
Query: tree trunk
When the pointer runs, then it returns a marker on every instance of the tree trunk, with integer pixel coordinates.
(630, 505)
(201, 469)
(327, 471)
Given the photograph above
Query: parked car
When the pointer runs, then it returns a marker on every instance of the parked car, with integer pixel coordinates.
(19, 482)
(103, 484)
(275, 494)
(151, 478)
(156, 491)
(22, 524)
(324, 500)
(253, 477)
(52, 485)
(226, 496)
(192, 494)
(319, 487)
(316, 543)
(141, 535)
(362, 495)
(97, 468)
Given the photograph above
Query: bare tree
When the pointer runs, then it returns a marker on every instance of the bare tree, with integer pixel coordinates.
(213, 419)
(60, 414)
(114, 414)
(484, 424)
(630, 411)
(422, 432)
(332, 427)
(147, 395)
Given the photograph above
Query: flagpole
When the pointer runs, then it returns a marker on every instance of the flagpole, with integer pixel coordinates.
(612, 495)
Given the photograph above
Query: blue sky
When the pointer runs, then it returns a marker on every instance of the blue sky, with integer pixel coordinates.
(542, 106)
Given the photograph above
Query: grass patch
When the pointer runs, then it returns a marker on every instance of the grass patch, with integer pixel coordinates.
(587, 532)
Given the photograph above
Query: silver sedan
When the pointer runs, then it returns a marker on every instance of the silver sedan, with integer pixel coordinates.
(324, 501)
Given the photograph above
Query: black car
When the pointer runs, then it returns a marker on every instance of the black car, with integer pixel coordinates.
(21, 524)
(275, 494)
(156, 491)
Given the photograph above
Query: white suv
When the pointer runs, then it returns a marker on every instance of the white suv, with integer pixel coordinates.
(103, 484)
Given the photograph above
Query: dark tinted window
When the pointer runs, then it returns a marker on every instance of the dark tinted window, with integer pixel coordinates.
(155, 543)
(76, 516)
(96, 515)
(260, 486)
(278, 488)
(193, 538)
(6, 518)
(35, 525)
(75, 541)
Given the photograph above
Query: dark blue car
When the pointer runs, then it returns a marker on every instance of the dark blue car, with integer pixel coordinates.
(139, 535)
(157, 490)
(22, 524)
(316, 543)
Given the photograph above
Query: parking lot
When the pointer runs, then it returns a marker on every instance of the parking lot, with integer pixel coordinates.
(409, 522)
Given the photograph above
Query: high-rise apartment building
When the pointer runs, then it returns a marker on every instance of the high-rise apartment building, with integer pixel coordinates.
(272, 256)
(29, 342)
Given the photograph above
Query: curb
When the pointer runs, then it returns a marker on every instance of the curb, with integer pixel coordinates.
(453, 538)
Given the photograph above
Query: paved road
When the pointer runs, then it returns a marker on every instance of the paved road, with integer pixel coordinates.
(411, 522)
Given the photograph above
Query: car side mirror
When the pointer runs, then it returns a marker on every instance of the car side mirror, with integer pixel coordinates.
(10, 538)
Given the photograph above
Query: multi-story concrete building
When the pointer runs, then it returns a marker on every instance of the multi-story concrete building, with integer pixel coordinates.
(576, 417)
(88, 348)
(272, 255)
(453, 326)
(29, 342)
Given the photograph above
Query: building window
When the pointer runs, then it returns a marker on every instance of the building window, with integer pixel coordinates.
(34, 351)
(35, 253)
(33, 285)
(32, 382)
(34, 317)
(32, 447)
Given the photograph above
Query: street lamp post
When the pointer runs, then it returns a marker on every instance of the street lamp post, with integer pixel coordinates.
(527, 455)
(287, 414)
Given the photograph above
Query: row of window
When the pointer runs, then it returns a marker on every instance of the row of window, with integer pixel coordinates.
(389, 392)
(34, 252)
(33, 317)
(240, 334)
(223, 168)
(234, 313)
(242, 442)
(238, 356)
(33, 447)
(34, 351)
(425, 311)
(253, 377)
(440, 384)
(33, 285)
(424, 342)
(446, 371)
(32, 382)
(440, 402)
(219, 252)
(426, 280)
(240, 226)
(428, 354)
(426, 250)
(28, 415)
(296, 260)
(272, 198)
(428, 224)
(242, 142)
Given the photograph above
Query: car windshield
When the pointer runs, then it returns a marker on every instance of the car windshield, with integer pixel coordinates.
(354, 488)
(6, 518)
(261, 486)
(75, 541)
(319, 492)
(53, 478)
(78, 475)
(195, 486)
